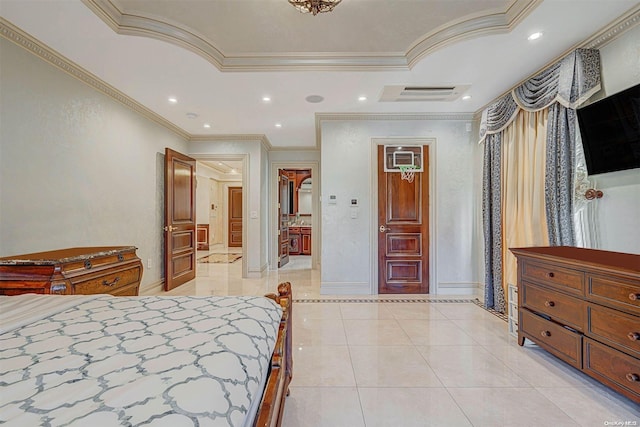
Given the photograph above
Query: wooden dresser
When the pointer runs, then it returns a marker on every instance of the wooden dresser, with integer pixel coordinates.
(583, 306)
(95, 270)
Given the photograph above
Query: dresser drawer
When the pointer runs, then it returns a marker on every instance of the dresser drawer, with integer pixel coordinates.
(616, 292)
(561, 342)
(613, 367)
(566, 279)
(560, 307)
(109, 281)
(614, 328)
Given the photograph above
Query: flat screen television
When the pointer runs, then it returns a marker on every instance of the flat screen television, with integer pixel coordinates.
(610, 130)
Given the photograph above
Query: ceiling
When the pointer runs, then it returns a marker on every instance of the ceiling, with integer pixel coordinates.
(221, 58)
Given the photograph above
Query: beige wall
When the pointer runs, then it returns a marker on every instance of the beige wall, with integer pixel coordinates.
(76, 167)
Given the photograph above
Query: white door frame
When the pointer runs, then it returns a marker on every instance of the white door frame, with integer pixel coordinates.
(245, 198)
(274, 220)
(431, 142)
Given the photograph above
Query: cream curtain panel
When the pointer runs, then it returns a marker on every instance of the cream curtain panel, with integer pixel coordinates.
(558, 90)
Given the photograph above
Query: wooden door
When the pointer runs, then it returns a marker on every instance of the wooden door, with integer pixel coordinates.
(235, 217)
(403, 233)
(283, 217)
(180, 219)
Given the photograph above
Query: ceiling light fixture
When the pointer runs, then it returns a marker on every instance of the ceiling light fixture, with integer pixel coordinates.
(266, 98)
(207, 125)
(314, 6)
(278, 125)
(173, 100)
(362, 98)
(466, 97)
(534, 36)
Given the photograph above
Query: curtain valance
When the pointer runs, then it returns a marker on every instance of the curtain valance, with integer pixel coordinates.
(570, 82)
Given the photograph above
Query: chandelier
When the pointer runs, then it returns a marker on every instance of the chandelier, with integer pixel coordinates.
(314, 6)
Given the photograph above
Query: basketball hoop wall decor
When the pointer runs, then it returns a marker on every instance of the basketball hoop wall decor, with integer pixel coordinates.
(406, 159)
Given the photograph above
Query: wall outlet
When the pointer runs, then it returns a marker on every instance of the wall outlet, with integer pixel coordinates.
(149, 263)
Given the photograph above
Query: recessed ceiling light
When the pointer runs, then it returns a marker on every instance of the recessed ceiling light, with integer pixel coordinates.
(314, 99)
(466, 97)
(207, 125)
(173, 99)
(278, 125)
(362, 98)
(266, 98)
(534, 36)
(192, 116)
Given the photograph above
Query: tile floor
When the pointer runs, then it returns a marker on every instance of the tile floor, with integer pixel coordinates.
(416, 364)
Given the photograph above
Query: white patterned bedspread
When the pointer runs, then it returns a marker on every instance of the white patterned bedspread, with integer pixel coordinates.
(153, 361)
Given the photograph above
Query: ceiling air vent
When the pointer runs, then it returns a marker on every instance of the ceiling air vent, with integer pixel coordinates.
(401, 93)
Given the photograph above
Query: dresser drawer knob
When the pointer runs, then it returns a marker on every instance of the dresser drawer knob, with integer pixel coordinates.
(551, 275)
(634, 297)
(107, 283)
(633, 378)
(549, 303)
(634, 336)
(545, 333)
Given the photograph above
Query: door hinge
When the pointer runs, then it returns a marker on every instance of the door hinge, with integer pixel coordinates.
(278, 205)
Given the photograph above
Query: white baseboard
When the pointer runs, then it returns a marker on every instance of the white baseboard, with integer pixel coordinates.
(345, 288)
(258, 274)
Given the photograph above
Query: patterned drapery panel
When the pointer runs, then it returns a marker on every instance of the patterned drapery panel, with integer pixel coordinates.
(562, 87)
(492, 220)
(559, 175)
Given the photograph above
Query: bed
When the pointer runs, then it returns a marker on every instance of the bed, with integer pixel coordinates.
(151, 360)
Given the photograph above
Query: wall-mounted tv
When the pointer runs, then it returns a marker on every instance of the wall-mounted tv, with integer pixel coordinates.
(610, 130)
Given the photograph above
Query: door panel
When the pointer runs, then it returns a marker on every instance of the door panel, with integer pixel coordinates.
(284, 199)
(403, 237)
(235, 217)
(180, 217)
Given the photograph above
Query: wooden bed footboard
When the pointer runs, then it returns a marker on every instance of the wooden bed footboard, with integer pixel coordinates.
(276, 389)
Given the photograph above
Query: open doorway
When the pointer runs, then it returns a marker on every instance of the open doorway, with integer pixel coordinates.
(221, 210)
(295, 217)
(295, 224)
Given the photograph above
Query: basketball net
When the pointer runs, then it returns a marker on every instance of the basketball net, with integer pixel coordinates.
(407, 172)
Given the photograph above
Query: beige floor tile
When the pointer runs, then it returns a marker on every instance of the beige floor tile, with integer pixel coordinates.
(408, 407)
(402, 311)
(318, 332)
(538, 367)
(375, 332)
(594, 406)
(319, 366)
(365, 311)
(316, 311)
(435, 332)
(490, 331)
(469, 366)
(522, 407)
(454, 311)
(393, 366)
(323, 407)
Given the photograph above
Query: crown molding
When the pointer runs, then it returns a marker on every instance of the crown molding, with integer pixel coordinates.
(614, 29)
(31, 44)
(471, 27)
(606, 35)
(178, 34)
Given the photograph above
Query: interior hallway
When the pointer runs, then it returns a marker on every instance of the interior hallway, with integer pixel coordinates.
(432, 363)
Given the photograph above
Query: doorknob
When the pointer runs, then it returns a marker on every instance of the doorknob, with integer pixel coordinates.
(383, 229)
(170, 228)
